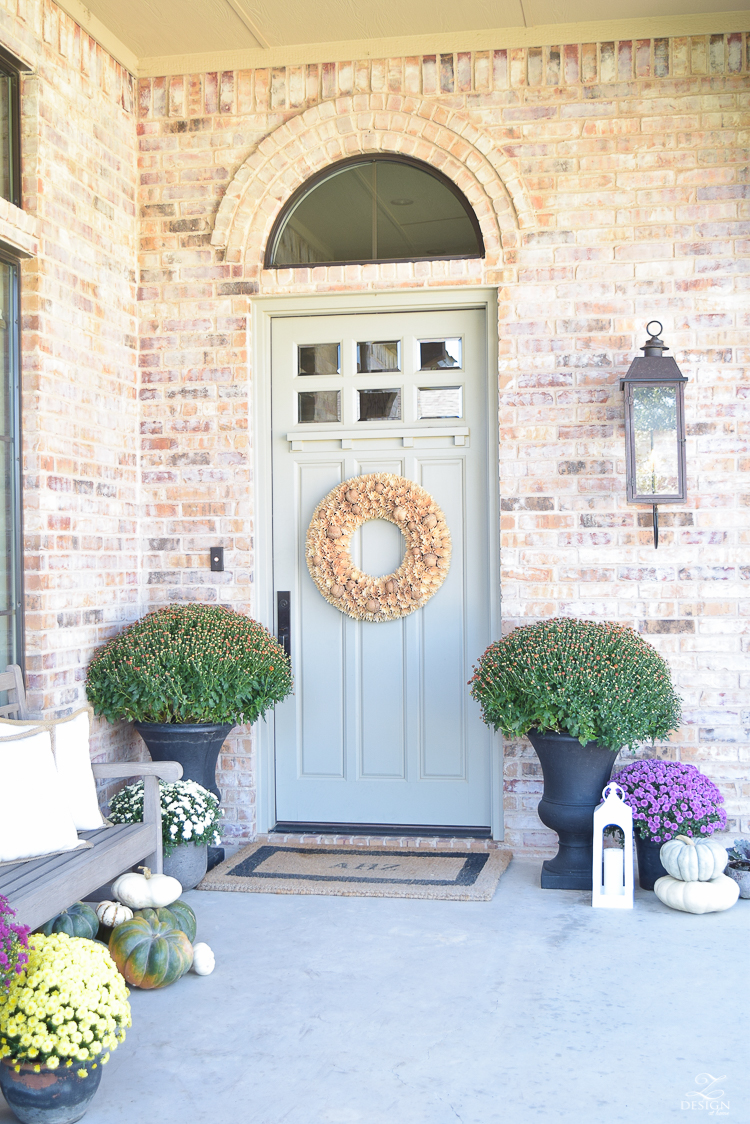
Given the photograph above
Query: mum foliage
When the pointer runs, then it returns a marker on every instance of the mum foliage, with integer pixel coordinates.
(69, 1005)
(595, 681)
(669, 798)
(189, 812)
(14, 941)
(191, 664)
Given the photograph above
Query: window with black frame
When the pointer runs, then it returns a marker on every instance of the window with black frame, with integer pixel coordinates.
(10, 132)
(11, 623)
(372, 209)
(11, 588)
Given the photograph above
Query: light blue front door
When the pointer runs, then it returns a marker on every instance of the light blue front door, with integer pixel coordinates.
(381, 728)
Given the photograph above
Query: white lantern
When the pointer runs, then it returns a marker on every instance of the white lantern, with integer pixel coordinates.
(612, 876)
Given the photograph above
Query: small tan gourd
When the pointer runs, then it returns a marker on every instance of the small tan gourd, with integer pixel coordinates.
(111, 914)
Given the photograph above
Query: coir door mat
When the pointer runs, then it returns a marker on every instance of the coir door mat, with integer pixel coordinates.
(269, 868)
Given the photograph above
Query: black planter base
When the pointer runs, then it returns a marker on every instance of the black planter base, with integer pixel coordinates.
(564, 880)
(574, 776)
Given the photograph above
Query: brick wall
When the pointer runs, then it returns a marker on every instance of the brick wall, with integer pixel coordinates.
(611, 183)
(79, 346)
(622, 168)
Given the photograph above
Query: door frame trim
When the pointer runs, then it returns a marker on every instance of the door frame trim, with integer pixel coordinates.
(263, 310)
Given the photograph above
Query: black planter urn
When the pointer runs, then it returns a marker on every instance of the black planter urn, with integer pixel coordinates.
(195, 746)
(649, 862)
(574, 776)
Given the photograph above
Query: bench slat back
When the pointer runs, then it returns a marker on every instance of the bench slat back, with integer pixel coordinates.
(11, 680)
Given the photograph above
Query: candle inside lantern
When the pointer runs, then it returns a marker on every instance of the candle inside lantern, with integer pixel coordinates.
(614, 870)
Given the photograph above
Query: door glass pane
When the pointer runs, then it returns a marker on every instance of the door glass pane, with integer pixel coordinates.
(439, 402)
(319, 359)
(380, 355)
(437, 355)
(379, 405)
(319, 406)
(656, 447)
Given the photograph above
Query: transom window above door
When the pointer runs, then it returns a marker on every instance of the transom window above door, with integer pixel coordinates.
(375, 209)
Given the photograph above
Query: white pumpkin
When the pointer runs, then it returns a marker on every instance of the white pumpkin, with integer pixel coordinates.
(204, 960)
(147, 890)
(693, 860)
(112, 913)
(697, 897)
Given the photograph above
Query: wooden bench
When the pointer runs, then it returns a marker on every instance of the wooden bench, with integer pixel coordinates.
(40, 888)
(11, 681)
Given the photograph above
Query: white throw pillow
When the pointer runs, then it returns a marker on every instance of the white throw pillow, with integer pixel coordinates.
(35, 819)
(70, 748)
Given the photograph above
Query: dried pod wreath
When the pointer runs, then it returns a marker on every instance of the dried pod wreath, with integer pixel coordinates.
(378, 495)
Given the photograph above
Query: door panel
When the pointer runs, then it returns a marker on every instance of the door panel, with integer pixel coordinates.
(381, 728)
(443, 643)
(382, 735)
(320, 689)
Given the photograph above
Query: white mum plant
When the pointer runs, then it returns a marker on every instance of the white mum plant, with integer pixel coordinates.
(189, 812)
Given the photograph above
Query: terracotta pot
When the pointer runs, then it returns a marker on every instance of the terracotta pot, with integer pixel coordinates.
(574, 776)
(52, 1096)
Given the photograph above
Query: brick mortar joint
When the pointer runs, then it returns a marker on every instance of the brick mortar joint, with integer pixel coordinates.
(507, 69)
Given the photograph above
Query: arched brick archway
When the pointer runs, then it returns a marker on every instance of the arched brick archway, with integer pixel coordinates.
(423, 129)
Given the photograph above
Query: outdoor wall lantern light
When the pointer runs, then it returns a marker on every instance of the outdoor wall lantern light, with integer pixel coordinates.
(655, 428)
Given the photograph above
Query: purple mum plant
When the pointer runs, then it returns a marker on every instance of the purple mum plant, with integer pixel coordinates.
(669, 798)
(14, 941)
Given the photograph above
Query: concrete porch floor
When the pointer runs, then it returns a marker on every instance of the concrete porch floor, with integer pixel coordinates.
(531, 1007)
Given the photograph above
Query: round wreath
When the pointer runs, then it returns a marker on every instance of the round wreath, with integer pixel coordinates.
(378, 495)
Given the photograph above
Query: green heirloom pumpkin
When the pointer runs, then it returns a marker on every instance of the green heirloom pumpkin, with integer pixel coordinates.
(693, 860)
(179, 915)
(78, 920)
(148, 953)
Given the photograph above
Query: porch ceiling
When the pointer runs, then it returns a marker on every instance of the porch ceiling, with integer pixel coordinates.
(172, 36)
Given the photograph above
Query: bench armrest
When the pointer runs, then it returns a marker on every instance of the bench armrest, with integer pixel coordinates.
(150, 771)
(117, 770)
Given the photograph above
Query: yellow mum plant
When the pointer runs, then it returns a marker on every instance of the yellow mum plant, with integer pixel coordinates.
(69, 1005)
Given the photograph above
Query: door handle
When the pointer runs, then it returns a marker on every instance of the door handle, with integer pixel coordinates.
(283, 621)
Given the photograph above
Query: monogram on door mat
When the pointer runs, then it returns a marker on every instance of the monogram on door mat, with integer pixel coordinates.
(360, 872)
